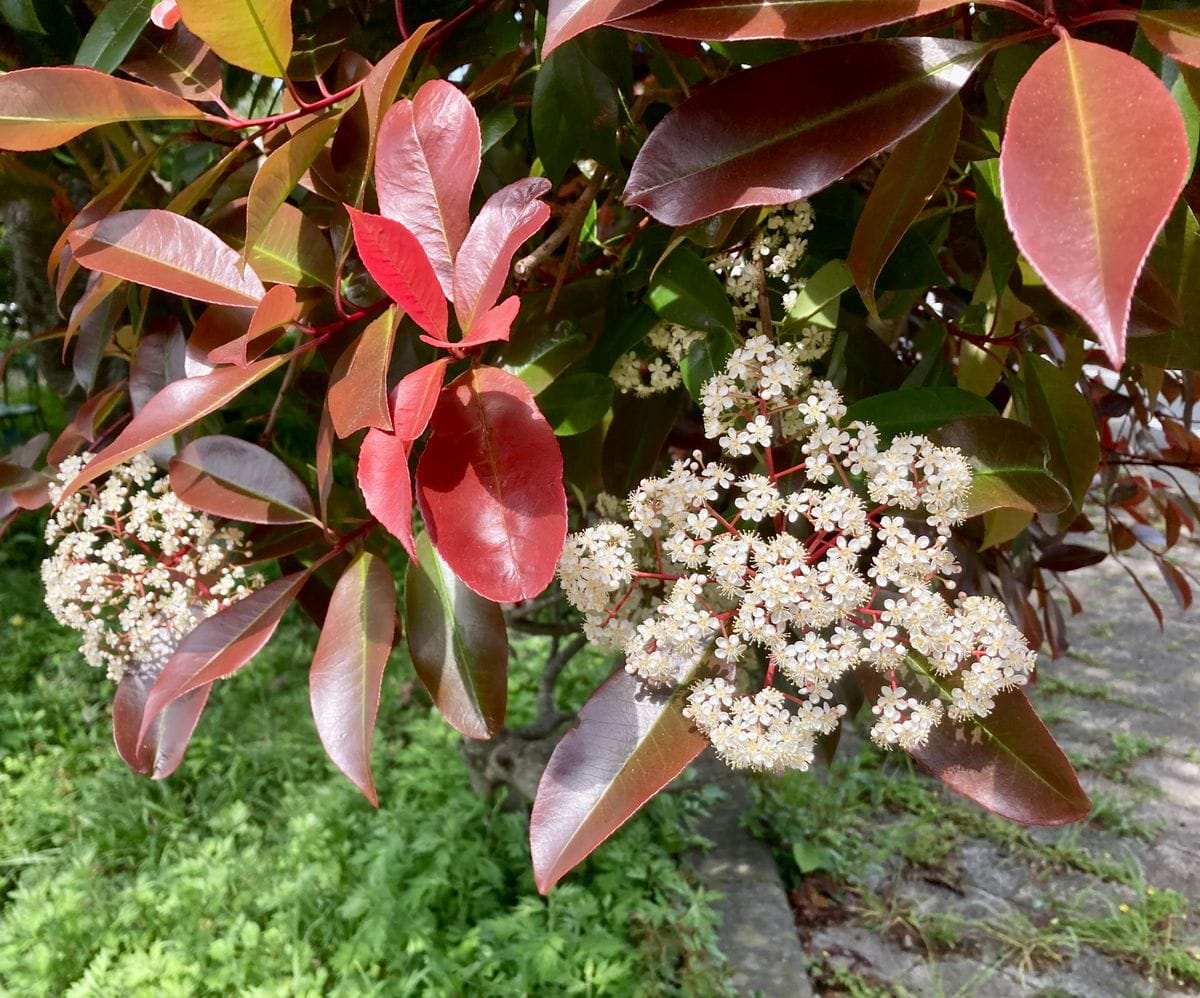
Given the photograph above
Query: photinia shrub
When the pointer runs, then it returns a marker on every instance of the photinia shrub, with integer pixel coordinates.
(796, 346)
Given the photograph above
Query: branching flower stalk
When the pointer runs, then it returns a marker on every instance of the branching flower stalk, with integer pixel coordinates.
(134, 569)
(836, 563)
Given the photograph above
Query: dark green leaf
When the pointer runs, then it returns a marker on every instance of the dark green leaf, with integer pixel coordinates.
(113, 33)
(683, 290)
(575, 107)
(705, 357)
(576, 403)
(1063, 416)
(917, 410)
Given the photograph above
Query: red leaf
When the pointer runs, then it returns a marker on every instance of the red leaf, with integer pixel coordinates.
(414, 398)
(239, 480)
(159, 754)
(489, 485)
(799, 20)
(1007, 762)
(568, 18)
(394, 257)
(459, 645)
(179, 404)
(160, 249)
(165, 14)
(277, 309)
(494, 325)
(507, 219)
(426, 163)
(358, 384)
(629, 744)
(160, 359)
(1175, 32)
(386, 485)
(785, 130)
(1094, 155)
(347, 670)
(44, 107)
(221, 644)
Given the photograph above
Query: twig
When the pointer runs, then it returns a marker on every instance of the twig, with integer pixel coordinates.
(288, 373)
(570, 223)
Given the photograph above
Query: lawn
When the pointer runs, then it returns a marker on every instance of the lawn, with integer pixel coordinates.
(258, 870)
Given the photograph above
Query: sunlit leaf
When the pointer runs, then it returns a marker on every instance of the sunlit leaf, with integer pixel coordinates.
(292, 249)
(253, 34)
(459, 645)
(567, 18)
(358, 383)
(630, 742)
(1095, 153)
(800, 20)
(425, 168)
(489, 485)
(347, 670)
(917, 410)
(239, 480)
(1009, 464)
(44, 107)
(160, 249)
(784, 130)
(221, 644)
(394, 258)
(1175, 32)
(481, 268)
(179, 404)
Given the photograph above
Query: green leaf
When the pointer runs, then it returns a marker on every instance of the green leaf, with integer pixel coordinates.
(913, 172)
(113, 33)
(576, 107)
(1009, 462)
(576, 403)
(684, 291)
(459, 645)
(819, 300)
(705, 358)
(22, 15)
(1060, 413)
(917, 410)
(989, 220)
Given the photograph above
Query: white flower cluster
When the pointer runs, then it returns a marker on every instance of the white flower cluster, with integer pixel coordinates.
(813, 570)
(135, 569)
(781, 245)
(653, 367)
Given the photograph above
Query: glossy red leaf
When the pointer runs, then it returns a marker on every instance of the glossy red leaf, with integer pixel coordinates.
(383, 475)
(784, 130)
(179, 404)
(159, 249)
(507, 219)
(44, 107)
(426, 162)
(277, 310)
(347, 670)
(567, 18)
(489, 485)
(1175, 32)
(239, 480)
(84, 428)
(221, 644)
(799, 20)
(459, 645)
(631, 741)
(414, 397)
(492, 326)
(912, 173)
(161, 751)
(394, 257)
(358, 383)
(1094, 156)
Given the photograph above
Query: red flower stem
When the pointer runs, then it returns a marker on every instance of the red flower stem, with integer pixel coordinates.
(776, 476)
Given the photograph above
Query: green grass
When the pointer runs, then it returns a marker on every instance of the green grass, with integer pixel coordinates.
(258, 870)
